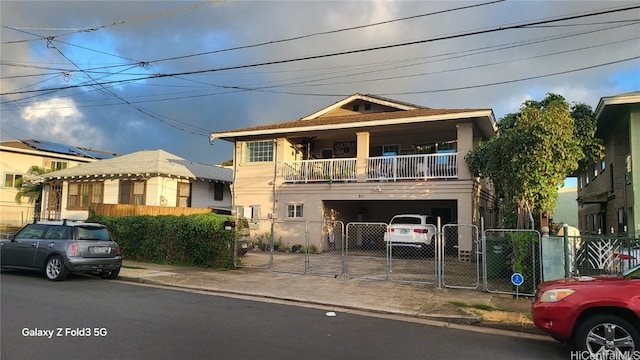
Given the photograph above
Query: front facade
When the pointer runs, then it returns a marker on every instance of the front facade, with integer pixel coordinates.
(363, 159)
(609, 192)
(150, 178)
(16, 157)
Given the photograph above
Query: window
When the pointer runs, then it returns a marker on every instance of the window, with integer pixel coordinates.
(294, 210)
(83, 194)
(10, 180)
(184, 195)
(55, 164)
(367, 106)
(356, 107)
(132, 192)
(432, 148)
(218, 191)
(258, 151)
(384, 149)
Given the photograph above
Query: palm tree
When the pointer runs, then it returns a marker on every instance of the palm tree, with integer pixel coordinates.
(29, 188)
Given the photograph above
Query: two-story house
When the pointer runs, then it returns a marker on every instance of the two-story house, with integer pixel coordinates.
(364, 158)
(145, 178)
(16, 157)
(609, 192)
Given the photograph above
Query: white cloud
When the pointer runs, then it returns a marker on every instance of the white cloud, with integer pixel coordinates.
(58, 119)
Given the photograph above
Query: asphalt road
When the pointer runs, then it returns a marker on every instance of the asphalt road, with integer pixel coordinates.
(87, 317)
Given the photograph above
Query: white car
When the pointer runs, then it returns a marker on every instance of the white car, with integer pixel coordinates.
(411, 231)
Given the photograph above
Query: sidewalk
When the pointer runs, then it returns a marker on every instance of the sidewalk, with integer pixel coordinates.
(416, 301)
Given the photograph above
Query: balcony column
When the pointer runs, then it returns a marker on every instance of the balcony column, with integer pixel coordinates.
(362, 155)
(465, 145)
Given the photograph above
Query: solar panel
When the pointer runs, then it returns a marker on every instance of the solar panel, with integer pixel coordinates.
(66, 149)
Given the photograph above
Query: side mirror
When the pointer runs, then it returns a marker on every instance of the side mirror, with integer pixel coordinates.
(12, 237)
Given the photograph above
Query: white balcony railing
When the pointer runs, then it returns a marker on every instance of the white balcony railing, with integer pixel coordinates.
(389, 168)
(408, 167)
(327, 170)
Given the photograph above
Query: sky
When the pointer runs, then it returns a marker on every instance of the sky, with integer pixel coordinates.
(124, 76)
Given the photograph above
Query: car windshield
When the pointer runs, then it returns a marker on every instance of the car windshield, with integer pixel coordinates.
(633, 273)
(92, 233)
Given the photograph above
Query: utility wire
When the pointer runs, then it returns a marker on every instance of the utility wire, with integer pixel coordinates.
(348, 52)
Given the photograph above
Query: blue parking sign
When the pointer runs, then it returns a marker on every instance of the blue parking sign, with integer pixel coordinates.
(517, 279)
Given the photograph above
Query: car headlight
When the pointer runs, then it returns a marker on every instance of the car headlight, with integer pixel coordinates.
(555, 295)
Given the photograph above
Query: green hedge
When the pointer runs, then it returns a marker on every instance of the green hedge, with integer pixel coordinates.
(194, 240)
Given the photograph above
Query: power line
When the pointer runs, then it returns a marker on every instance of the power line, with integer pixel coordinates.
(348, 52)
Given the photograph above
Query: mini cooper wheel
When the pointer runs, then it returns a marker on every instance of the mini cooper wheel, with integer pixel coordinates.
(54, 270)
(607, 334)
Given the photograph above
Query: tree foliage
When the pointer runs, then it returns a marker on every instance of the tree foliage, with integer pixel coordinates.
(28, 187)
(535, 150)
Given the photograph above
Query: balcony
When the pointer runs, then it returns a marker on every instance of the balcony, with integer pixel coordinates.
(380, 168)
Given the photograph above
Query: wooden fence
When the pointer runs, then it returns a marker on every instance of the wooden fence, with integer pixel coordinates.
(117, 210)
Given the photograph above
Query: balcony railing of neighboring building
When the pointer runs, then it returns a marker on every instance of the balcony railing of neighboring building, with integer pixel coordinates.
(388, 168)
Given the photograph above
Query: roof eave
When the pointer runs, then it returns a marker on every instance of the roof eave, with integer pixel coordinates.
(234, 135)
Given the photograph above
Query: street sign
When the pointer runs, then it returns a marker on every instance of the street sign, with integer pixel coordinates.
(517, 279)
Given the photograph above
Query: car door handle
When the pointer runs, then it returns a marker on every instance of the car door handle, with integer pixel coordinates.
(34, 244)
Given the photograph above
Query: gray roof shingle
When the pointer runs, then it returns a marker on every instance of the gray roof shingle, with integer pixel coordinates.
(153, 162)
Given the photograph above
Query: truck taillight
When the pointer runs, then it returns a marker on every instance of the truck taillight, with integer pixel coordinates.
(421, 231)
(118, 250)
(73, 250)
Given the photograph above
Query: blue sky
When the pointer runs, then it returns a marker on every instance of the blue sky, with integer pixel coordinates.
(62, 82)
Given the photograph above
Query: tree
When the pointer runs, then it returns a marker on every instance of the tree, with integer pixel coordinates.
(29, 188)
(535, 150)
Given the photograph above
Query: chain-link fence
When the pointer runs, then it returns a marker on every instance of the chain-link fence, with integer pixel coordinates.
(413, 255)
(326, 247)
(453, 257)
(365, 251)
(460, 256)
(509, 251)
(253, 243)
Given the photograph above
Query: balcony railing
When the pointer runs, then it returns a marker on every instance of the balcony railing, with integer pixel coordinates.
(388, 168)
(413, 167)
(327, 170)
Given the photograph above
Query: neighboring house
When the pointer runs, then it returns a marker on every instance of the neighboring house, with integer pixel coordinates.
(16, 157)
(364, 158)
(150, 177)
(609, 192)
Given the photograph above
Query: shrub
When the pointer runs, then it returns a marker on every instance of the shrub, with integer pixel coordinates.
(194, 240)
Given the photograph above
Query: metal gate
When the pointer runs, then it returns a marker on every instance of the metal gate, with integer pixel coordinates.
(290, 247)
(326, 241)
(416, 263)
(509, 251)
(460, 249)
(365, 251)
(253, 243)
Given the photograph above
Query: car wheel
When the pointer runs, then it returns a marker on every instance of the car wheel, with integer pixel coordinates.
(54, 270)
(607, 334)
(110, 274)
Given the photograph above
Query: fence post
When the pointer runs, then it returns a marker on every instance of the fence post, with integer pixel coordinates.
(566, 249)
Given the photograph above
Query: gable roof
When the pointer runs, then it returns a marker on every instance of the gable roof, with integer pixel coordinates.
(399, 105)
(144, 163)
(57, 148)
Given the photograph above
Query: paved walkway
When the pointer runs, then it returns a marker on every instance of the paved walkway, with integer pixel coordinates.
(415, 301)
